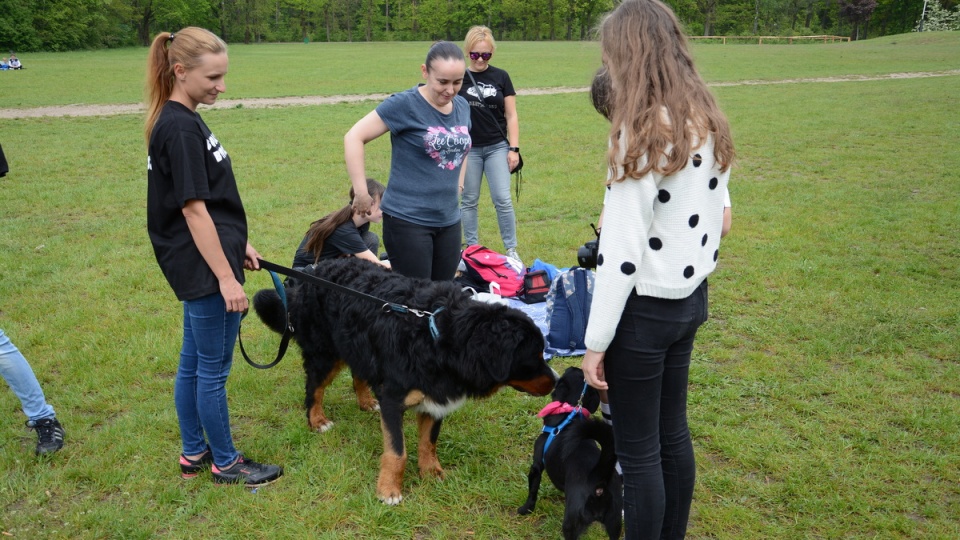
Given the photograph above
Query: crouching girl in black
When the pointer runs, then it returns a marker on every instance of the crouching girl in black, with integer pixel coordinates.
(344, 233)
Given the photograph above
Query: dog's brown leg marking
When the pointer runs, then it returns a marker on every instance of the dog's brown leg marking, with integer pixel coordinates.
(427, 447)
(317, 420)
(414, 398)
(365, 399)
(390, 481)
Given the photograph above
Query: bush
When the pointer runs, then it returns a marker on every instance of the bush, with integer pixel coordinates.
(939, 19)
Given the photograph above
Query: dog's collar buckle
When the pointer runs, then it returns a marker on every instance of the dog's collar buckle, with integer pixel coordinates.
(420, 313)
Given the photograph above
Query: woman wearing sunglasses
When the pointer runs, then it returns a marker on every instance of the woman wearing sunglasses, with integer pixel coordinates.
(493, 114)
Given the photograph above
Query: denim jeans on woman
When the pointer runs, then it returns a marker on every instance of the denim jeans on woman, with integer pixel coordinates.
(200, 393)
(19, 375)
(491, 160)
(647, 367)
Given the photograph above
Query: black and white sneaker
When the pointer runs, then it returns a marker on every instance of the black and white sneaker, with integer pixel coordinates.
(49, 435)
(247, 472)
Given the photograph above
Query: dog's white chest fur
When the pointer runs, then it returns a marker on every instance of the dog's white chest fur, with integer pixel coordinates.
(438, 410)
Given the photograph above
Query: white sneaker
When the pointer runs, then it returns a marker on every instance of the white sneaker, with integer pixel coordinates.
(512, 253)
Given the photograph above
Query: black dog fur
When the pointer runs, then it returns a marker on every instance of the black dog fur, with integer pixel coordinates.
(586, 474)
(479, 349)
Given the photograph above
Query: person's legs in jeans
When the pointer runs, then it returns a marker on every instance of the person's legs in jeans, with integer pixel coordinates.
(647, 366)
(200, 394)
(470, 198)
(423, 252)
(498, 178)
(19, 375)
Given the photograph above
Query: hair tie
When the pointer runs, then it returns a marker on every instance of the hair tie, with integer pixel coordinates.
(171, 36)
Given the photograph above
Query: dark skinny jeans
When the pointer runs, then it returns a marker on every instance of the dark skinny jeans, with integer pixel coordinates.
(647, 366)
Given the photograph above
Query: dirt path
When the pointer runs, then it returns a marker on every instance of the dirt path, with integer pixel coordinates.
(259, 103)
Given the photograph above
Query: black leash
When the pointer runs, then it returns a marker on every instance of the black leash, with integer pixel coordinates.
(290, 272)
(385, 306)
(287, 329)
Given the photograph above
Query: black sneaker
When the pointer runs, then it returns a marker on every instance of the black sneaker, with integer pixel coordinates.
(49, 435)
(190, 468)
(247, 472)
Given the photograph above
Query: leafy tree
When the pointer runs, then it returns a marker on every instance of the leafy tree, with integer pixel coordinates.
(936, 18)
(858, 13)
(708, 9)
(16, 26)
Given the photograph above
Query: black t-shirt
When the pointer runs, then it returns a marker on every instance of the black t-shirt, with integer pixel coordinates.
(495, 85)
(185, 161)
(344, 240)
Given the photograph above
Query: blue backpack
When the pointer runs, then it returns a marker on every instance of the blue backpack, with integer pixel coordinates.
(568, 309)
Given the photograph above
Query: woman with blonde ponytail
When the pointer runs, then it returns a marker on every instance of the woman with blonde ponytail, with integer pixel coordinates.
(198, 229)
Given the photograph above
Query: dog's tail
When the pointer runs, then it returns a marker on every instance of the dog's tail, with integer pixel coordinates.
(269, 308)
(601, 432)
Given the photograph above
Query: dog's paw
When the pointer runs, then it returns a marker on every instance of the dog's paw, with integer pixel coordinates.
(434, 471)
(524, 510)
(324, 427)
(392, 499)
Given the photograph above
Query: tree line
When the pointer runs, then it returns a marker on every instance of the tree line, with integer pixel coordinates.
(61, 25)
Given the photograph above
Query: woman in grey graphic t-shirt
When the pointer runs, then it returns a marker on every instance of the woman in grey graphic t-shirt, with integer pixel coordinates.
(429, 127)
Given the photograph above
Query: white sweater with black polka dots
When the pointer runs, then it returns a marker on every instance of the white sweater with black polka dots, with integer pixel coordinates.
(661, 238)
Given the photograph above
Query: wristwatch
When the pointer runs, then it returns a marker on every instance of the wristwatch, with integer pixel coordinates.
(513, 149)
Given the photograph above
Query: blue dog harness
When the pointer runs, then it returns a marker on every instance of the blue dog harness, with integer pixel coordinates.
(552, 432)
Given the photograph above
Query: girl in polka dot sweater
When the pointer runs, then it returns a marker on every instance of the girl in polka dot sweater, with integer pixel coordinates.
(669, 159)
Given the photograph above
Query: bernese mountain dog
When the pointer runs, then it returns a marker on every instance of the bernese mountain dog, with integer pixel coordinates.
(459, 349)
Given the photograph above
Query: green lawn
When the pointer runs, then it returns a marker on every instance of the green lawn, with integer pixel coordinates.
(824, 390)
(326, 69)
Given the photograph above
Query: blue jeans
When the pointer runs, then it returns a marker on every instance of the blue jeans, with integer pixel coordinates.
(200, 392)
(491, 160)
(420, 251)
(19, 375)
(647, 367)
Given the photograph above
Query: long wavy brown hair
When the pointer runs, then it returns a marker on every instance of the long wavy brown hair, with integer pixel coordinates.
(167, 50)
(660, 108)
(322, 228)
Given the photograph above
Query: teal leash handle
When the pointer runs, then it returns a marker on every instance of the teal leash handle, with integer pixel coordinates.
(287, 330)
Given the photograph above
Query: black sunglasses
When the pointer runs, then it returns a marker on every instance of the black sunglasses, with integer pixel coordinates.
(484, 55)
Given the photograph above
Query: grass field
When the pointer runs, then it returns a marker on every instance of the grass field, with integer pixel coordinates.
(297, 69)
(825, 391)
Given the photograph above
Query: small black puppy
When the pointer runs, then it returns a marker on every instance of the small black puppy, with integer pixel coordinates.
(585, 473)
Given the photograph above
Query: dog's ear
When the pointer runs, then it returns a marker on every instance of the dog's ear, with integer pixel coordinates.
(482, 334)
(501, 361)
(561, 389)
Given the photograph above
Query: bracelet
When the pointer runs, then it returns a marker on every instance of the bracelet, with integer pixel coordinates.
(513, 149)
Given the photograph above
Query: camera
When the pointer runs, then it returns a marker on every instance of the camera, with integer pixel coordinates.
(587, 253)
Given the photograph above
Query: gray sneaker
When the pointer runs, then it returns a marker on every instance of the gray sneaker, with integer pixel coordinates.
(512, 253)
(247, 472)
(49, 435)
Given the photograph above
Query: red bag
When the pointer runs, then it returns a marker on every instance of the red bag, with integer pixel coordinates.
(488, 266)
(535, 286)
